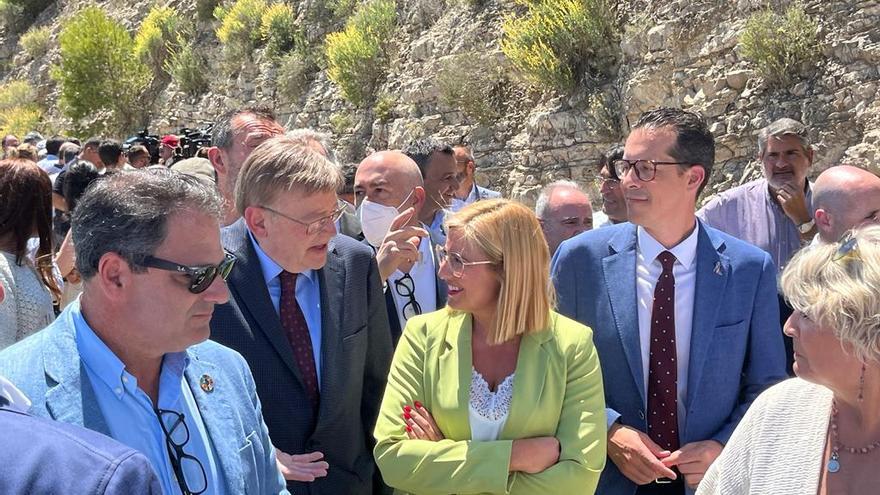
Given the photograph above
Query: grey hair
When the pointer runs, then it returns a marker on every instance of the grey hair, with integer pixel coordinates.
(783, 127)
(308, 136)
(221, 133)
(127, 213)
(544, 198)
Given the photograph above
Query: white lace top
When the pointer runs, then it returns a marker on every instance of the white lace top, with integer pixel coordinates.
(488, 410)
(27, 307)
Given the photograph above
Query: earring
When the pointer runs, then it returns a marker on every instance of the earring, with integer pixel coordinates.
(862, 384)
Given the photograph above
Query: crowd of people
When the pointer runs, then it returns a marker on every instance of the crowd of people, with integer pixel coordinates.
(264, 319)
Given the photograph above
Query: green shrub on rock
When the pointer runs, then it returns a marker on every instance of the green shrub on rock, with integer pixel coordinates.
(780, 46)
(100, 79)
(19, 112)
(239, 30)
(559, 44)
(35, 42)
(278, 29)
(187, 68)
(160, 33)
(356, 55)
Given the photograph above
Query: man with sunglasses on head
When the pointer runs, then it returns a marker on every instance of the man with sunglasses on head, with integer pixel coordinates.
(308, 315)
(130, 358)
(390, 194)
(684, 317)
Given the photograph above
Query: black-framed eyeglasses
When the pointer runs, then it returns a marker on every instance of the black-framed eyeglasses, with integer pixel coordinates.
(200, 277)
(189, 471)
(405, 286)
(646, 170)
(314, 226)
(456, 262)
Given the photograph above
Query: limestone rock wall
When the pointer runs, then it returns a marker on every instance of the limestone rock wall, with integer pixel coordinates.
(674, 52)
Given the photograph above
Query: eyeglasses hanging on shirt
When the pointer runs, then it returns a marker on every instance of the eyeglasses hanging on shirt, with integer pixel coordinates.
(188, 470)
(405, 286)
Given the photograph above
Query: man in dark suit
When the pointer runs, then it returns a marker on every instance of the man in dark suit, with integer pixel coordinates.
(308, 315)
(390, 195)
(93, 463)
(684, 316)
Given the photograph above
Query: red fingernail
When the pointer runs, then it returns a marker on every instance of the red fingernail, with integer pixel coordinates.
(407, 415)
(408, 428)
(418, 404)
(407, 409)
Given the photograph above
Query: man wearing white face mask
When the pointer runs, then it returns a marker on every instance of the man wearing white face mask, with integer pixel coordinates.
(389, 191)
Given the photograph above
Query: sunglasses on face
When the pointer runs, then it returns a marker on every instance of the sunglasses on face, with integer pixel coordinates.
(200, 277)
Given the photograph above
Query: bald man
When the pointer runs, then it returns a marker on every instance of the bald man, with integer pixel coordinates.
(390, 194)
(564, 211)
(845, 197)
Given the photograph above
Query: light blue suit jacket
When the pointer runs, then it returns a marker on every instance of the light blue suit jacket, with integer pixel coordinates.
(736, 342)
(48, 369)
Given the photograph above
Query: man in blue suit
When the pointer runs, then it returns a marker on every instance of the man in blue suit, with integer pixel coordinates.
(129, 359)
(93, 463)
(684, 316)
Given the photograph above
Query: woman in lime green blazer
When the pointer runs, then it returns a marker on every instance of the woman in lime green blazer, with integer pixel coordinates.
(495, 393)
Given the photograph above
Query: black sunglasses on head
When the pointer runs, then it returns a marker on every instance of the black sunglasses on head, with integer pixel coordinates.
(200, 277)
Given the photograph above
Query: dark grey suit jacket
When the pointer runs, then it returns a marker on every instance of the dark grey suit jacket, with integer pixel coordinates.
(355, 358)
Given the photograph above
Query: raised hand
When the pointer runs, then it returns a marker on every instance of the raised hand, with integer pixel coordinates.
(400, 248)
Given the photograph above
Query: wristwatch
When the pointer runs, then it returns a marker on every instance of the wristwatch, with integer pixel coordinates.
(806, 226)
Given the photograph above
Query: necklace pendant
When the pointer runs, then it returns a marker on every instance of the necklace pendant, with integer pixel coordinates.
(833, 465)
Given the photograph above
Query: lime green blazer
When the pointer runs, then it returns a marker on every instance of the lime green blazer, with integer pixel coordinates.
(557, 392)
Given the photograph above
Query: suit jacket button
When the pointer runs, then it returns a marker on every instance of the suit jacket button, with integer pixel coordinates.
(641, 414)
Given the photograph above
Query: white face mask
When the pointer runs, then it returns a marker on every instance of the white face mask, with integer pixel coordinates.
(376, 219)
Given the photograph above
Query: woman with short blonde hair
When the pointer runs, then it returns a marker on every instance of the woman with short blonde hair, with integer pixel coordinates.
(496, 393)
(820, 432)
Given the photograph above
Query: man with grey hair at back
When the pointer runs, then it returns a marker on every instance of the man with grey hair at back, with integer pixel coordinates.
(845, 197)
(564, 211)
(774, 213)
(235, 135)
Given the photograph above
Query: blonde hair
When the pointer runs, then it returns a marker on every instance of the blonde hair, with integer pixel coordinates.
(283, 163)
(510, 236)
(843, 295)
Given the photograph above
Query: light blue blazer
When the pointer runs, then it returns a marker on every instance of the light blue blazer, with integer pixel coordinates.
(736, 342)
(48, 369)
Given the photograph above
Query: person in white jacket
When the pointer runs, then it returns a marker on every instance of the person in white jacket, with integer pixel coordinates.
(819, 432)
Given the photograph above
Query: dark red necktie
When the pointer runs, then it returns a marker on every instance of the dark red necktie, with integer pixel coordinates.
(297, 331)
(662, 365)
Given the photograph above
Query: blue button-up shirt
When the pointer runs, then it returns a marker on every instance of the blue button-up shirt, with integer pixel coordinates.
(130, 414)
(308, 296)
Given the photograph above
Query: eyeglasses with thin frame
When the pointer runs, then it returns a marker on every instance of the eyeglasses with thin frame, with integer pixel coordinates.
(200, 277)
(197, 482)
(646, 170)
(405, 286)
(315, 226)
(456, 262)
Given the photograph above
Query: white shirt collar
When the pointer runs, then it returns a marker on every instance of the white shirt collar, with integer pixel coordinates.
(14, 396)
(685, 251)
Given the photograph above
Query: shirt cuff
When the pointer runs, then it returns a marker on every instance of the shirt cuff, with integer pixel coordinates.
(611, 417)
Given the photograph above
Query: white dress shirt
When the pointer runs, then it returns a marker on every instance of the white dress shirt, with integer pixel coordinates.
(648, 270)
(425, 279)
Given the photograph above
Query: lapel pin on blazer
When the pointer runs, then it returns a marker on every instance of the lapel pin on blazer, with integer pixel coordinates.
(206, 383)
(719, 270)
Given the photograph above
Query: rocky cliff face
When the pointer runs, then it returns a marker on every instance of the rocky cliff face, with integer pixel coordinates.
(673, 52)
